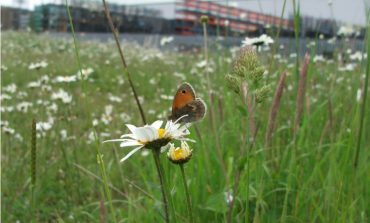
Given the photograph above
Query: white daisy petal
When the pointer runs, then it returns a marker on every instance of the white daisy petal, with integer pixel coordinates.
(140, 134)
(132, 136)
(153, 134)
(131, 153)
(167, 124)
(132, 128)
(113, 140)
(148, 133)
(157, 124)
(186, 139)
(130, 143)
(184, 128)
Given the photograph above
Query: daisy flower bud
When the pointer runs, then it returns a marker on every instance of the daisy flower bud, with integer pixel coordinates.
(179, 155)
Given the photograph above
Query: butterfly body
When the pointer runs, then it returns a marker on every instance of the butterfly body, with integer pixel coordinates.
(187, 106)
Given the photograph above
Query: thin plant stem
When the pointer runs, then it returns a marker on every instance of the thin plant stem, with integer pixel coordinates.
(248, 100)
(33, 169)
(77, 175)
(281, 21)
(101, 164)
(292, 164)
(277, 35)
(87, 172)
(362, 112)
(296, 12)
(74, 38)
(156, 154)
(243, 163)
(92, 175)
(102, 210)
(106, 186)
(187, 193)
(125, 67)
(213, 126)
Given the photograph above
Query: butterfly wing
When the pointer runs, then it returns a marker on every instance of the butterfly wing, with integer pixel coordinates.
(184, 95)
(194, 111)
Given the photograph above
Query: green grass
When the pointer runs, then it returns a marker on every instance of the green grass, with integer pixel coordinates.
(315, 180)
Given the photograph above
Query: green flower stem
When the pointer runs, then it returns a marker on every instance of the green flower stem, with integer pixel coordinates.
(156, 153)
(187, 193)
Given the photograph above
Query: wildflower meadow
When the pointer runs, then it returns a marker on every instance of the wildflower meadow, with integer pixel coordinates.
(118, 131)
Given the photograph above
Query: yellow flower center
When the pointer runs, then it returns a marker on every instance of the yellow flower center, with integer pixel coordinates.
(179, 154)
(161, 133)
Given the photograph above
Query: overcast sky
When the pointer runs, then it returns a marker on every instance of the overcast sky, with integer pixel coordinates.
(349, 11)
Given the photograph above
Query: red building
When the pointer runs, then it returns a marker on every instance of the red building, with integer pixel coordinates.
(223, 18)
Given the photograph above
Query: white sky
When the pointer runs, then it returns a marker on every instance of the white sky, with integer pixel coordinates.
(349, 11)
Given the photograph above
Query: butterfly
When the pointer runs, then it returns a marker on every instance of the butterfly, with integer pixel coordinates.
(187, 106)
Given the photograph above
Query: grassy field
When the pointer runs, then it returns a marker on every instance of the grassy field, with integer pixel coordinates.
(305, 174)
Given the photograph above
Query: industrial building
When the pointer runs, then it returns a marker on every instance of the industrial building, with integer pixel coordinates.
(91, 18)
(14, 18)
(224, 19)
(88, 16)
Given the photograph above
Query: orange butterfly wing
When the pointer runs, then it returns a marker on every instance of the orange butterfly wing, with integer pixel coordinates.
(184, 95)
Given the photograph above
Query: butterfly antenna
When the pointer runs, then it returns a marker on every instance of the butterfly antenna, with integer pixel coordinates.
(177, 120)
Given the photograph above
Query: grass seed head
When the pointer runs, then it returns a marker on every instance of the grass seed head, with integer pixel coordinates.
(262, 93)
(246, 68)
(247, 65)
(204, 19)
(233, 82)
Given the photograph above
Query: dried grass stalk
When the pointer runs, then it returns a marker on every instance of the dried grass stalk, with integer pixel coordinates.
(301, 93)
(102, 212)
(274, 109)
(221, 110)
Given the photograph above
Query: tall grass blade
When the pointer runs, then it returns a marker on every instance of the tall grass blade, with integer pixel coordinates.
(99, 158)
(297, 24)
(33, 170)
(365, 92)
(74, 37)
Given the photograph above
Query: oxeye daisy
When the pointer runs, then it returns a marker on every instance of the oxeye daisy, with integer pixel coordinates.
(152, 136)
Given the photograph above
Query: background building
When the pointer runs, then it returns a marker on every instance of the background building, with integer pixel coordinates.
(14, 18)
(224, 19)
(88, 16)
